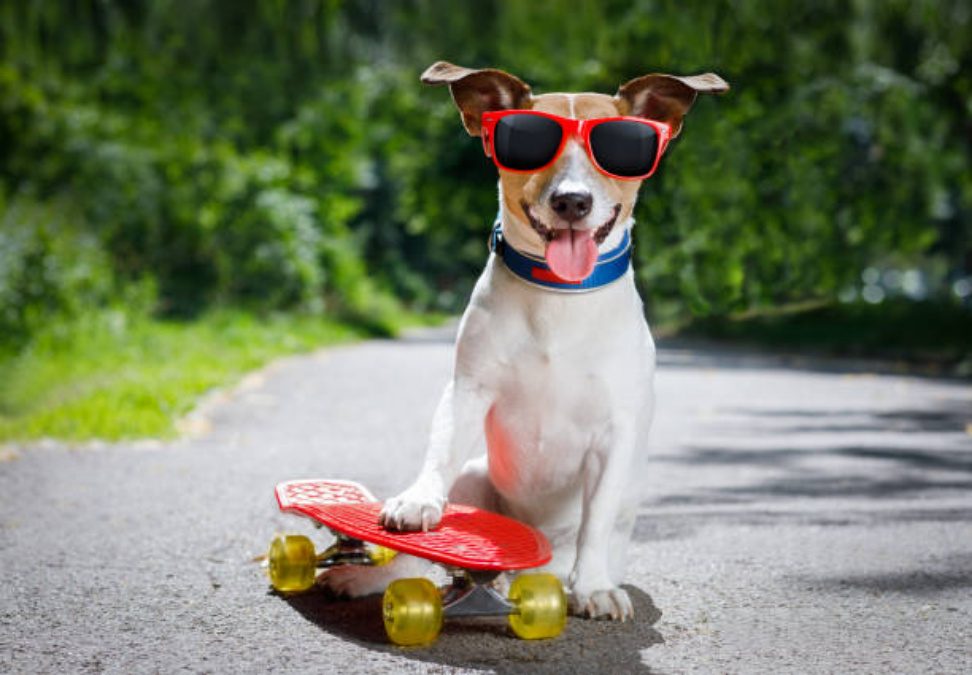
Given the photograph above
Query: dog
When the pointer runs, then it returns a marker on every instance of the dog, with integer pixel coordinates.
(547, 414)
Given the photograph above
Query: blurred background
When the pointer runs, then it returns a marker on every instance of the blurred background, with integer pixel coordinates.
(185, 181)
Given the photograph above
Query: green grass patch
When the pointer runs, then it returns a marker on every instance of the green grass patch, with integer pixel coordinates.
(936, 334)
(110, 376)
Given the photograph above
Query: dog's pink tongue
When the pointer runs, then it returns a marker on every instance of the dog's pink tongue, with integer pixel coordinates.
(572, 254)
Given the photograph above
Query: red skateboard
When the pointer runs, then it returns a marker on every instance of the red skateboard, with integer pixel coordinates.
(475, 547)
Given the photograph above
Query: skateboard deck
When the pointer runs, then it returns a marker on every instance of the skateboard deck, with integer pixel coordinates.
(466, 537)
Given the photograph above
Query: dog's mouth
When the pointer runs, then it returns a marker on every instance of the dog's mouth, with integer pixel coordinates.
(571, 253)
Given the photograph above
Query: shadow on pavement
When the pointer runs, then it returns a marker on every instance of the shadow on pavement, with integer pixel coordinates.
(936, 454)
(654, 527)
(917, 458)
(950, 575)
(948, 416)
(585, 646)
(729, 355)
(905, 472)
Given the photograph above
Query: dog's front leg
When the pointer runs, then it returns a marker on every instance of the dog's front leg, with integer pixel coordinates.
(593, 593)
(457, 428)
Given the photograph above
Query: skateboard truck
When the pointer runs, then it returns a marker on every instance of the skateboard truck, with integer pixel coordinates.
(472, 595)
(347, 551)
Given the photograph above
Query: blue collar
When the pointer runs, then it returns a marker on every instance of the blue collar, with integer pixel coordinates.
(609, 268)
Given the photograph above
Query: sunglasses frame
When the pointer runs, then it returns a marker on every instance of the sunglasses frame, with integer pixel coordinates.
(571, 128)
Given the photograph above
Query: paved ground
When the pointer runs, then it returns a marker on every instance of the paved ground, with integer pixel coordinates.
(800, 519)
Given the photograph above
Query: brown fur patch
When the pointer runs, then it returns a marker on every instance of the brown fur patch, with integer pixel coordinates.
(591, 106)
(601, 233)
(546, 233)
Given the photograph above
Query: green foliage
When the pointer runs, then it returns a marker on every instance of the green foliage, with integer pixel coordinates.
(111, 375)
(831, 151)
(207, 222)
(934, 334)
(276, 155)
(48, 266)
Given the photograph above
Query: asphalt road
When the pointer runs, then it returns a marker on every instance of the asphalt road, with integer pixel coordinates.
(801, 517)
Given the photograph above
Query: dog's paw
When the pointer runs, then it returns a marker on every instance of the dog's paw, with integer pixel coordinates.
(611, 603)
(354, 581)
(412, 510)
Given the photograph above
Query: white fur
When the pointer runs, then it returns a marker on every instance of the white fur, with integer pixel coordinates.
(545, 417)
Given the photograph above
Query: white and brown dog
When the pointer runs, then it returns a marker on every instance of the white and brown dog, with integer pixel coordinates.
(551, 400)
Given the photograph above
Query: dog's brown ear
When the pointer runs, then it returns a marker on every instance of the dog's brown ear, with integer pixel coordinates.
(666, 97)
(479, 91)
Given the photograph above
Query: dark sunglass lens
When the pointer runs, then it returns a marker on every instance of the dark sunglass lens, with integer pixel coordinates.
(526, 142)
(624, 148)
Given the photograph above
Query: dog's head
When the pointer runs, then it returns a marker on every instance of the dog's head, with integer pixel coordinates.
(569, 209)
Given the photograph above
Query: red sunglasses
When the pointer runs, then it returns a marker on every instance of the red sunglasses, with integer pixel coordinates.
(525, 141)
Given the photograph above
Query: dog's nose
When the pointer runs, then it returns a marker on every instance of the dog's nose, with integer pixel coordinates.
(571, 206)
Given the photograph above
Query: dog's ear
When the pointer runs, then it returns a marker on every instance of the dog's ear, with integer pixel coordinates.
(666, 97)
(479, 91)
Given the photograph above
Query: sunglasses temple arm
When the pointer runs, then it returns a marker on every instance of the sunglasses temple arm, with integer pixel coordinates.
(666, 139)
(486, 146)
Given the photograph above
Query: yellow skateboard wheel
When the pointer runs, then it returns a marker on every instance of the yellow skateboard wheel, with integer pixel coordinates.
(541, 605)
(292, 563)
(412, 610)
(380, 555)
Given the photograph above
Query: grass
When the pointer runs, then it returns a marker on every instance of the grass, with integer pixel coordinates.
(934, 336)
(109, 376)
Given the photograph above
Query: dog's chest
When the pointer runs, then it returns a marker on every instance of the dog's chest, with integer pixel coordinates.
(559, 371)
(541, 424)
(551, 407)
